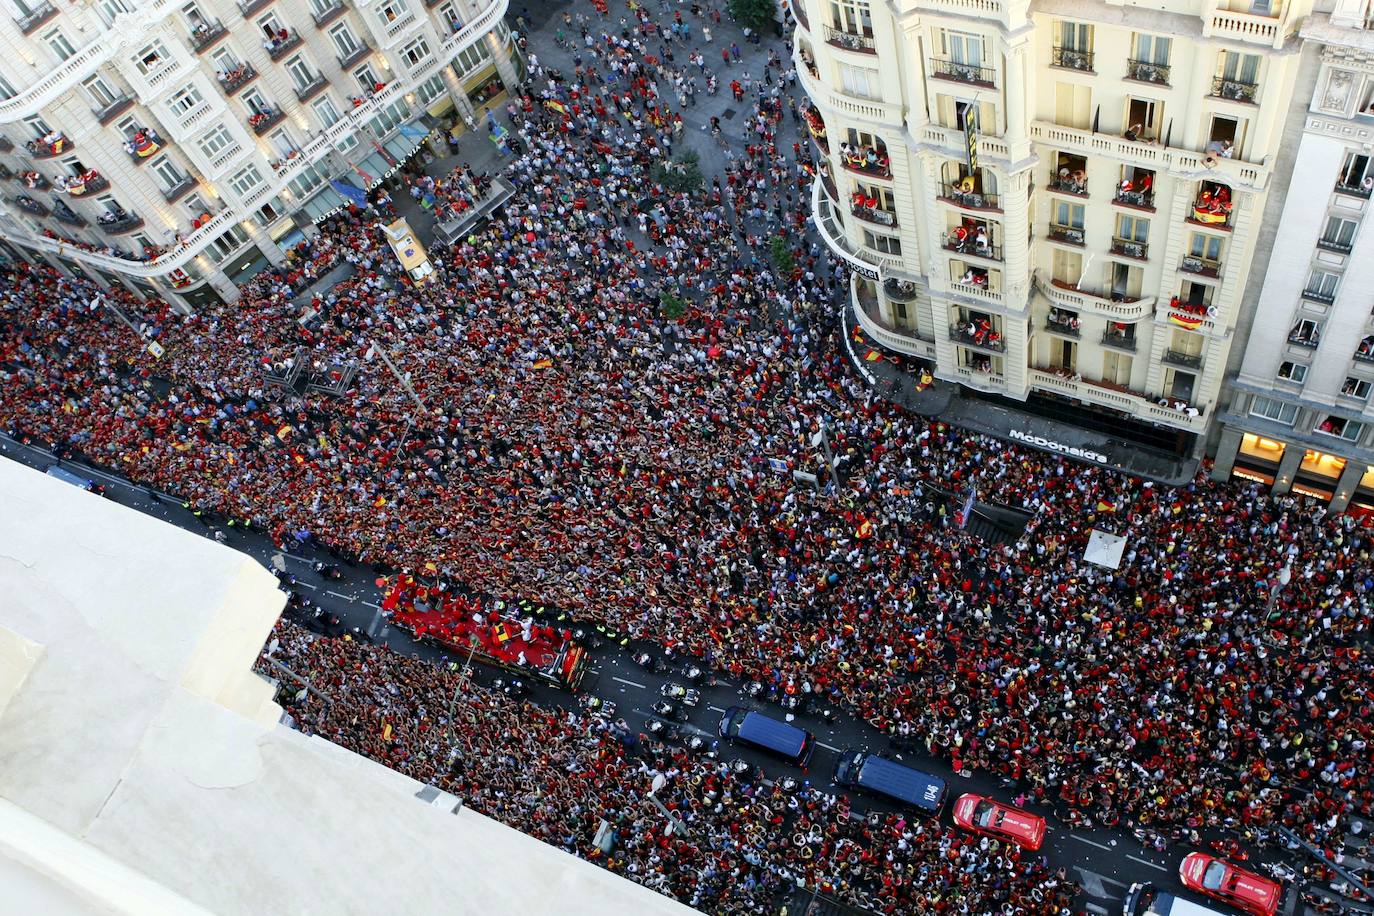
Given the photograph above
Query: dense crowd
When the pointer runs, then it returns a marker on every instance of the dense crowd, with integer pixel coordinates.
(739, 841)
(583, 446)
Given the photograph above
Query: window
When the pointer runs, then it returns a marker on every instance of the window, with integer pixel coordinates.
(1133, 228)
(1144, 119)
(255, 101)
(318, 8)
(1341, 428)
(151, 57)
(415, 52)
(852, 16)
(59, 44)
(1290, 371)
(1306, 331)
(272, 28)
(305, 181)
(1073, 105)
(1355, 173)
(392, 11)
(1239, 68)
(39, 127)
(1271, 409)
(962, 48)
(195, 19)
(6, 90)
(245, 180)
(1073, 48)
(283, 143)
(109, 9)
(1068, 215)
(344, 40)
(1356, 388)
(1116, 368)
(326, 111)
(884, 243)
(1339, 233)
(1152, 49)
(471, 57)
(195, 205)
(1066, 267)
(1206, 247)
(367, 77)
(216, 140)
(1321, 285)
(227, 243)
(860, 81)
(448, 13)
(1076, 35)
(100, 91)
(301, 72)
(267, 214)
(430, 89)
(185, 101)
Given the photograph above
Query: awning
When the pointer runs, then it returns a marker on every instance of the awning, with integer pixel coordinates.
(323, 204)
(377, 167)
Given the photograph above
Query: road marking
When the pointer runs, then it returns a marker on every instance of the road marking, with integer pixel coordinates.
(370, 604)
(828, 747)
(307, 585)
(1090, 842)
(1094, 885)
(1094, 908)
(1146, 862)
(630, 683)
(716, 708)
(344, 597)
(305, 560)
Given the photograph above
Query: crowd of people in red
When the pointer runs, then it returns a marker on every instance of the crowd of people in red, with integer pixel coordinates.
(581, 448)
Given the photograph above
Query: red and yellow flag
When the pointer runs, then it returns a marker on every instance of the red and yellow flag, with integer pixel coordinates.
(1191, 322)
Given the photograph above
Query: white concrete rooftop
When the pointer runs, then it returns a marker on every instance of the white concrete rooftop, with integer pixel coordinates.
(143, 769)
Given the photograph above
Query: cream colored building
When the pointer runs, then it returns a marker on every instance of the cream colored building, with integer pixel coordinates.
(1299, 411)
(1065, 197)
(178, 145)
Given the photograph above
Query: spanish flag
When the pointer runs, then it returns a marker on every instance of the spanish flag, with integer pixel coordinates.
(430, 567)
(379, 502)
(864, 531)
(1191, 322)
(1105, 506)
(502, 634)
(543, 364)
(284, 432)
(557, 106)
(872, 356)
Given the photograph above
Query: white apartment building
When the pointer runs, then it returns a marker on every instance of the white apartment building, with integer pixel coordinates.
(1299, 416)
(1053, 202)
(177, 146)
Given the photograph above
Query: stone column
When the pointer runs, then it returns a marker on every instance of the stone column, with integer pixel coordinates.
(1288, 468)
(1226, 454)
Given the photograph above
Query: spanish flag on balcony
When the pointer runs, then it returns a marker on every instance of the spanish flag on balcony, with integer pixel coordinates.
(145, 145)
(1190, 322)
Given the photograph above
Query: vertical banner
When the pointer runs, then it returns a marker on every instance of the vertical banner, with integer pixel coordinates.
(971, 136)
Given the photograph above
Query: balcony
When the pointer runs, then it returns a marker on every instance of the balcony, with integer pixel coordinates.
(313, 88)
(1364, 353)
(972, 74)
(89, 182)
(69, 217)
(34, 181)
(1119, 340)
(1178, 358)
(977, 334)
(326, 16)
(1130, 248)
(143, 145)
(1306, 341)
(119, 224)
(253, 7)
(1143, 71)
(5, 172)
(866, 161)
(1317, 295)
(1212, 212)
(29, 205)
(263, 121)
(113, 110)
(899, 290)
(799, 14)
(179, 190)
(1065, 235)
(862, 260)
(1072, 59)
(969, 200)
(1250, 28)
(1138, 200)
(237, 78)
(284, 45)
(1234, 90)
(357, 56)
(874, 215)
(35, 20)
(1076, 187)
(54, 144)
(1064, 324)
(815, 125)
(1112, 305)
(1355, 186)
(1203, 267)
(970, 246)
(849, 41)
(206, 36)
(1335, 245)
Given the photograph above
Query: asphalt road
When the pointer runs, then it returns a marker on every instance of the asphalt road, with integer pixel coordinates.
(1106, 862)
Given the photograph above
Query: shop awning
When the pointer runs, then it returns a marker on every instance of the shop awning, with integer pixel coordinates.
(323, 204)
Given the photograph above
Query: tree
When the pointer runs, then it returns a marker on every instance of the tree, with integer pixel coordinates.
(781, 254)
(754, 13)
(681, 173)
(671, 304)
